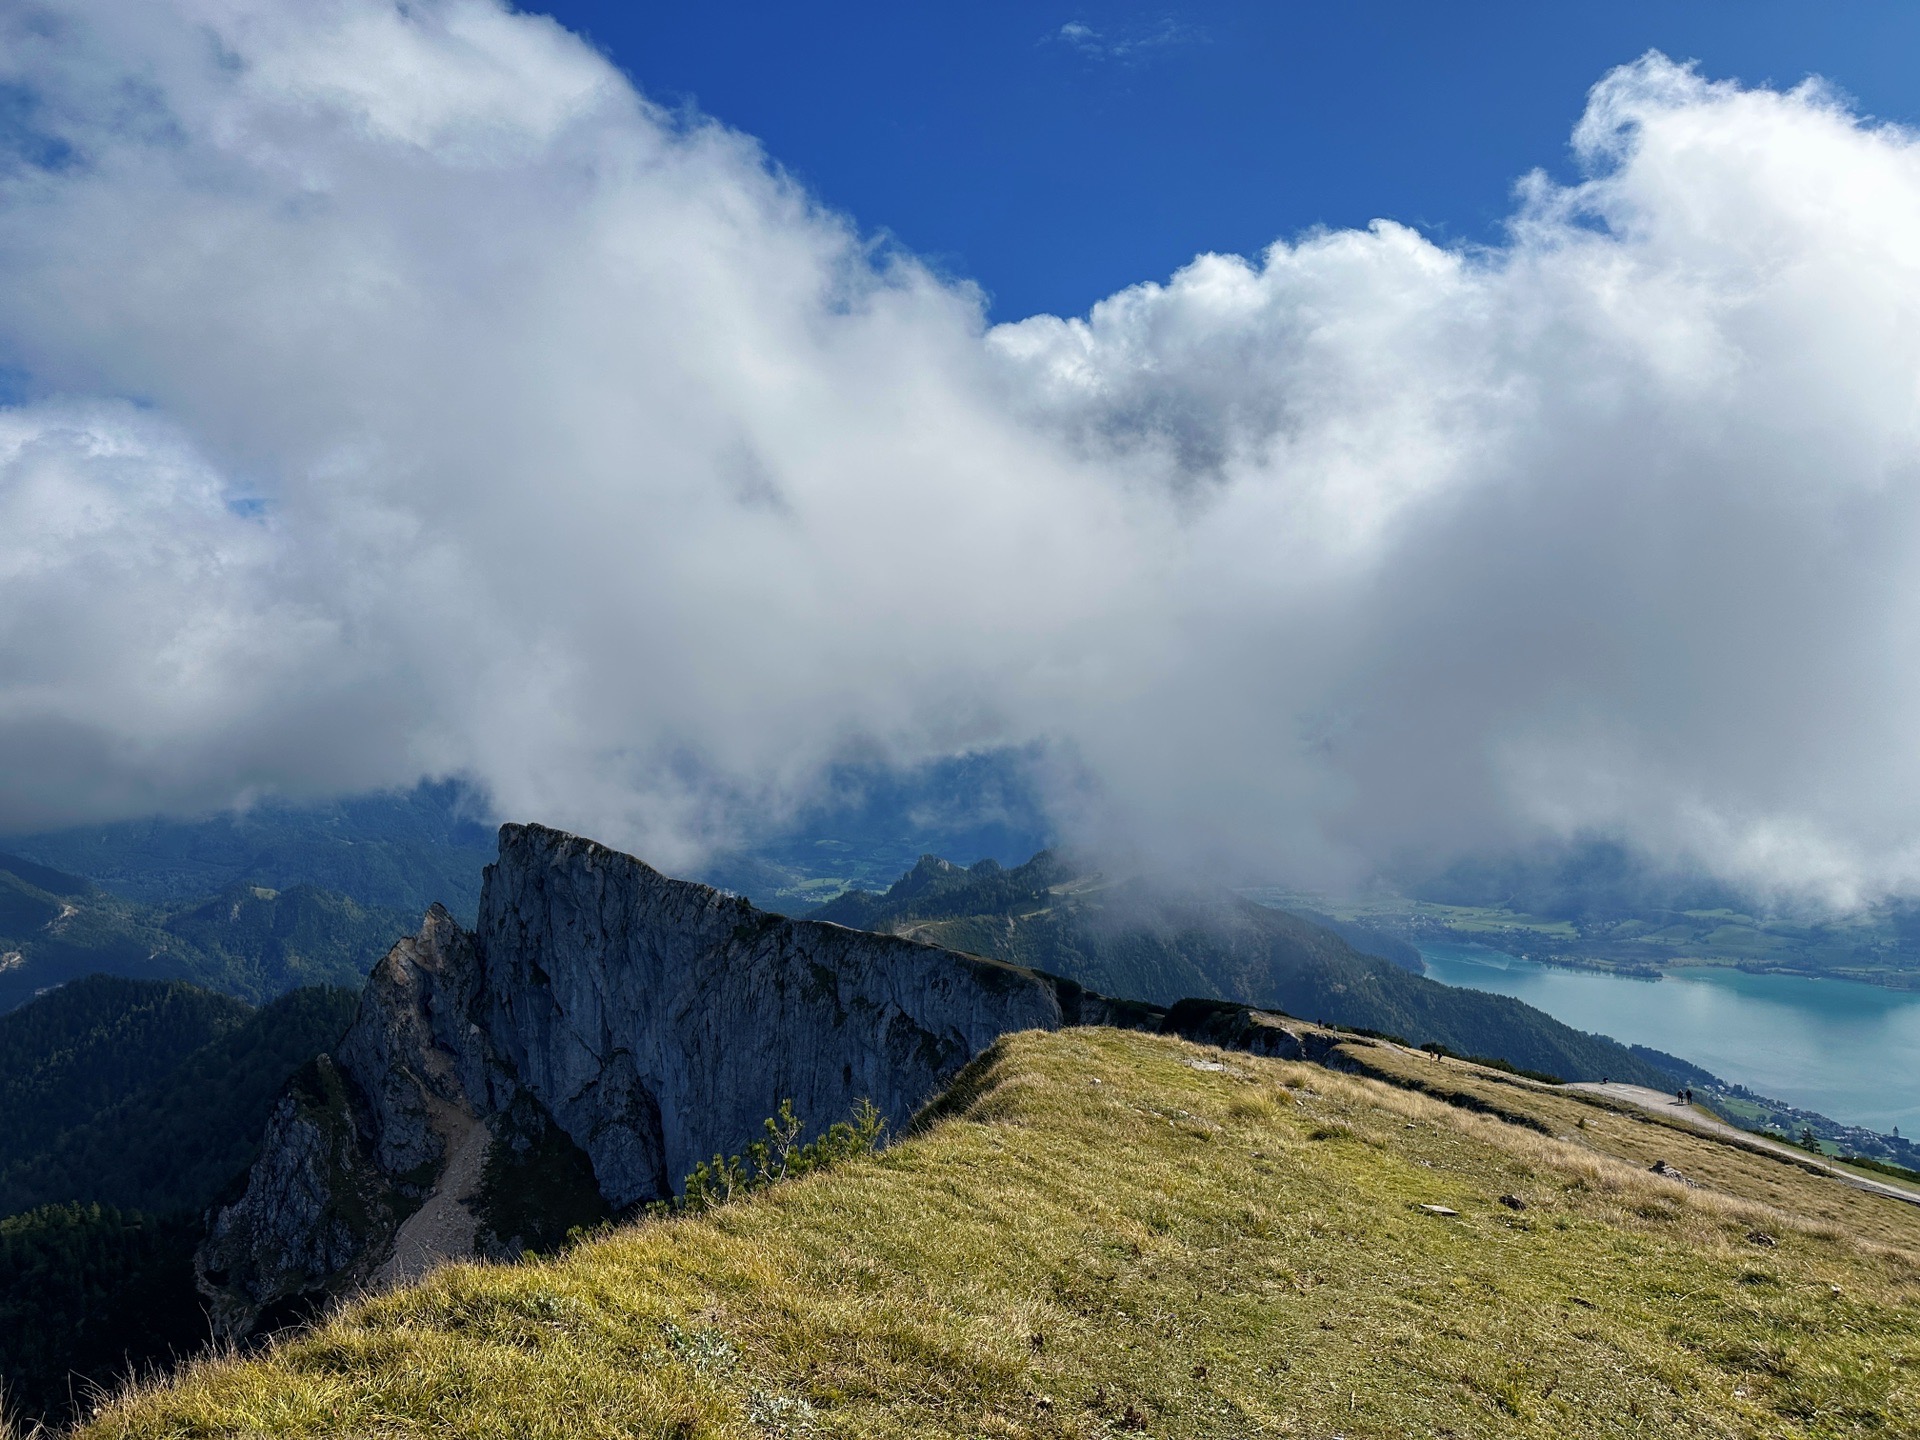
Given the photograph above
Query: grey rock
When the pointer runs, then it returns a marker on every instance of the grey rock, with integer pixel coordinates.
(656, 1022)
(316, 1210)
(412, 1044)
(661, 1021)
(1662, 1168)
(602, 1010)
(1230, 1026)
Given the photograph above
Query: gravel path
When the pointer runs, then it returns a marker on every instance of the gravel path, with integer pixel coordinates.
(1660, 1102)
(444, 1227)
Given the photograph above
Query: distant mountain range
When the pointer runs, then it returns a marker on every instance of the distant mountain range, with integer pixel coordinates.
(398, 851)
(248, 941)
(1591, 903)
(258, 903)
(1128, 936)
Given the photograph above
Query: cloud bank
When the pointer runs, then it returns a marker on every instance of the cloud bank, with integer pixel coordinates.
(397, 393)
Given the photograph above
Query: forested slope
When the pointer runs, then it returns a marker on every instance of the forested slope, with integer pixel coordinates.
(125, 1106)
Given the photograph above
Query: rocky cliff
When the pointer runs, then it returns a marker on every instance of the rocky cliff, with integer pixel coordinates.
(600, 1031)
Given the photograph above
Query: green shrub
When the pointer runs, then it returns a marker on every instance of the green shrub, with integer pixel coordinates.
(781, 1156)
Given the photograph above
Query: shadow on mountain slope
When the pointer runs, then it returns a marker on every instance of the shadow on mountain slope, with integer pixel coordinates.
(1129, 936)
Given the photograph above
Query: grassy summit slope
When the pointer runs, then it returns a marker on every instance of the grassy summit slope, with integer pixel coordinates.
(1101, 1231)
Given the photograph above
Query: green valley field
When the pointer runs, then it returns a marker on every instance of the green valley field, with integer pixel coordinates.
(1874, 946)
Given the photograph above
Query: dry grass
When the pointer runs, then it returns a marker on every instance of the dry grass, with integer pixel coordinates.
(1101, 1238)
(1640, 1139)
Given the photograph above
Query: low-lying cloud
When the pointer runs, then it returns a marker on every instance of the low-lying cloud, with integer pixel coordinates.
(400, 394)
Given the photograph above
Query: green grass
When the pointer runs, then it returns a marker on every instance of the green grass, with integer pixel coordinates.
(1872, 1169)
(1107, 1232)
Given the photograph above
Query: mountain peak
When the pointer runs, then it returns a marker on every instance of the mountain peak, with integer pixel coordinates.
(601, 1020)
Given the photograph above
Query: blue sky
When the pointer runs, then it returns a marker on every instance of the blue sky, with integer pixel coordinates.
(1055, 165)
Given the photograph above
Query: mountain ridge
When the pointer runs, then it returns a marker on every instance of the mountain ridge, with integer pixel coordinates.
(1162, 944)
(249, 941)
(598, 1010)
(1099, 1232)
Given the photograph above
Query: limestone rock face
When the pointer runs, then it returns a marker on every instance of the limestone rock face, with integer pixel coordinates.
(660, 1021)
(413, 1048)
(648, 1022)
(316, 1208)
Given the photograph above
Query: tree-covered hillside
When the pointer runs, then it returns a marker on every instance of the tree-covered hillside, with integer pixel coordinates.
(258, 943)
(164, 1123)
(89, 1295)
(125, 1106)
(75, 1052)
(1134, 939)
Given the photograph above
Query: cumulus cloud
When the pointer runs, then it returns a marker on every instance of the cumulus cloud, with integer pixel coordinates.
(404, 395)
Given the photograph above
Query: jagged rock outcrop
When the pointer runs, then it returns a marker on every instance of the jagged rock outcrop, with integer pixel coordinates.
(603, 1022)
(1228, 1026)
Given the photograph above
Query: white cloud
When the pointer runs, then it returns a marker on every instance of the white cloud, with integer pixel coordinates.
(411, 397)
(1132, 45)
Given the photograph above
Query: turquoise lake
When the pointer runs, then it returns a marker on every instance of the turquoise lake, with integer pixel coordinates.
(1848, 1050)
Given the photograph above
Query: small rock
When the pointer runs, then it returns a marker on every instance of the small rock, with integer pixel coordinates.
(1199, 1372)
(1583, 1301)
(1513, 1202)
(1760, 1237)
(1660, 1167)
(1439, 1210)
